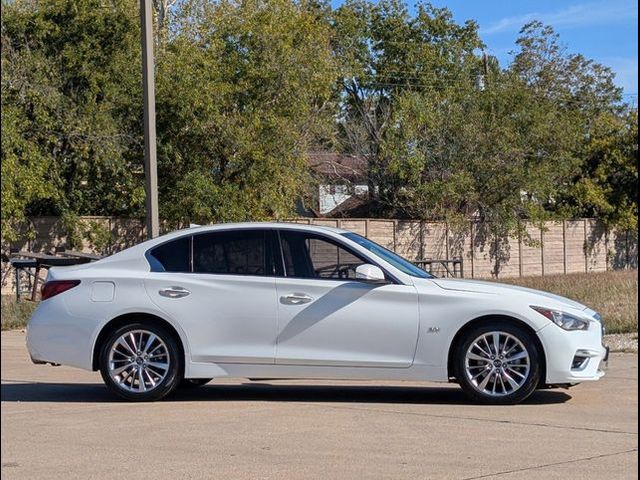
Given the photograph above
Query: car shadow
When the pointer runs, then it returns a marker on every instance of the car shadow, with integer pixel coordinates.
(265, 392)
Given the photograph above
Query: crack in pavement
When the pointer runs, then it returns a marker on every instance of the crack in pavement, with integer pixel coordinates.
(566, 462)
(490, 420)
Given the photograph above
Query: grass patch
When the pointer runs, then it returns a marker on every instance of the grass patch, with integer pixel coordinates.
(613, 294)
(15, 314)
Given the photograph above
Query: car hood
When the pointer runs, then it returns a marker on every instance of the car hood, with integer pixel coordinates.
(479, 286)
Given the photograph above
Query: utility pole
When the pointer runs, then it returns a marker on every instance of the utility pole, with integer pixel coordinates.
(485, 67)
(150, 161)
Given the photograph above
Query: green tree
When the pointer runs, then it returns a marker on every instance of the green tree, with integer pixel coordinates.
(604, 179)
(246, 88)
(496, 155)
(24, 169)
(389, 54)
(570, 80)
(71, 91)
(25, 164)
(449, 134)
(243, 89)
(607, 184)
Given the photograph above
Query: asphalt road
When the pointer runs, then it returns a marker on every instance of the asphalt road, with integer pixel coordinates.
(59, 422)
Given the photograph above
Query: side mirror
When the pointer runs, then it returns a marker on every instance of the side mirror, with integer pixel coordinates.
(370, 273)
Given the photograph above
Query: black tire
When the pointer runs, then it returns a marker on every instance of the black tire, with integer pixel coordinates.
(528, 384)
(173, 375)
(194, 382)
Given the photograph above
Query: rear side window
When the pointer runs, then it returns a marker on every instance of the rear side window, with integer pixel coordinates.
(240, 252)
(171, 256)
(308, 255)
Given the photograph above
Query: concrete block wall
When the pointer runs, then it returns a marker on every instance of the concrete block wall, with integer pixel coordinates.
(569, 246)
(556, 247)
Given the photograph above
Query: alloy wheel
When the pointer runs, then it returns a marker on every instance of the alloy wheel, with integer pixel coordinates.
(497, 363)
(138, 361)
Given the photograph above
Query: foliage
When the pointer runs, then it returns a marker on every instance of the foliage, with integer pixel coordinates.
(391, 56)
(475, 157)
(449, 134)
(80, 231)
(26, 80)
(607, 184)
(70, 83)
(23, 172)
(244, 89)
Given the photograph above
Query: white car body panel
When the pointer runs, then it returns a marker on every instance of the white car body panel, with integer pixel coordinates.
(228, 318)
(348, 324)
(232, 325)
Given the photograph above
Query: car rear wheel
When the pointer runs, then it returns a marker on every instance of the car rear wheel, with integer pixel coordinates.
(498, 363)
(141, 362)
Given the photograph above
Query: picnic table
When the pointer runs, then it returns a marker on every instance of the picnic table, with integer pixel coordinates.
(32, 263)
(453, 267)
(84, 255)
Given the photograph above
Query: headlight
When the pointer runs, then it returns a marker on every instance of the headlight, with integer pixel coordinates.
(562, 319)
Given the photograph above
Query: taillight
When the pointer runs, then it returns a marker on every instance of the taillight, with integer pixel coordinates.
(54, 287)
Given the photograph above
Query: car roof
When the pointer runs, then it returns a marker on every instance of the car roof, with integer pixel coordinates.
(249, 225)
(241, 226)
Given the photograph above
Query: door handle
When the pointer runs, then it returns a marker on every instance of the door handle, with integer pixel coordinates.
(296, 299)
(174, 292)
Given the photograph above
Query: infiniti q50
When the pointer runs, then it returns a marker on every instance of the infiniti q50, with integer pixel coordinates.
(274, 300)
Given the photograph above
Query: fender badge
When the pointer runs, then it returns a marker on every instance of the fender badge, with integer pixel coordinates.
(433, 329)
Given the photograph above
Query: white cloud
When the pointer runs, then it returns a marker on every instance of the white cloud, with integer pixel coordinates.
(580, 15)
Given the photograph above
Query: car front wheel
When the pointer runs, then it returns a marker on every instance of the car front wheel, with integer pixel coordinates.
(141, 362)
(498, 363)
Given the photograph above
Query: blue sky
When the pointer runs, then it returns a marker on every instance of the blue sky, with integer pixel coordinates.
(603, 30)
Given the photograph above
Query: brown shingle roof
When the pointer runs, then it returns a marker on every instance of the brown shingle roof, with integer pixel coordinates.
(338, 165)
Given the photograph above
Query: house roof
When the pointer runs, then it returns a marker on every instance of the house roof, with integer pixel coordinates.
(338, 166)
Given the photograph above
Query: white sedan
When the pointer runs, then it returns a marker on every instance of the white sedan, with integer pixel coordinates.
(273, 300)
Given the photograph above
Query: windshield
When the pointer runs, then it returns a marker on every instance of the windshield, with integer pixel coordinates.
(397, 261)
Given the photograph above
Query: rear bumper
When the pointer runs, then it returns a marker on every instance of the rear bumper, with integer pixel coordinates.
(54, 336)
(574, 356)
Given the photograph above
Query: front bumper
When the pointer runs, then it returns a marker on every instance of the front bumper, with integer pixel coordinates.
(565, 349)
(604, 364)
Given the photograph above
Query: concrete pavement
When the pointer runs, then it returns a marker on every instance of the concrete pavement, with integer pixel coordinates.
(59, 422)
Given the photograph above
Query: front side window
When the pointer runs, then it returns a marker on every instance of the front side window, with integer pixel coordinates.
(239, 252)
(172, 256)
(307, 255)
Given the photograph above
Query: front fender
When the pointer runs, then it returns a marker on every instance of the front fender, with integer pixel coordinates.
(444, 313)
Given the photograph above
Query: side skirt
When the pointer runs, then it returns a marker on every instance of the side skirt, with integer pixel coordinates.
(256, 371)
